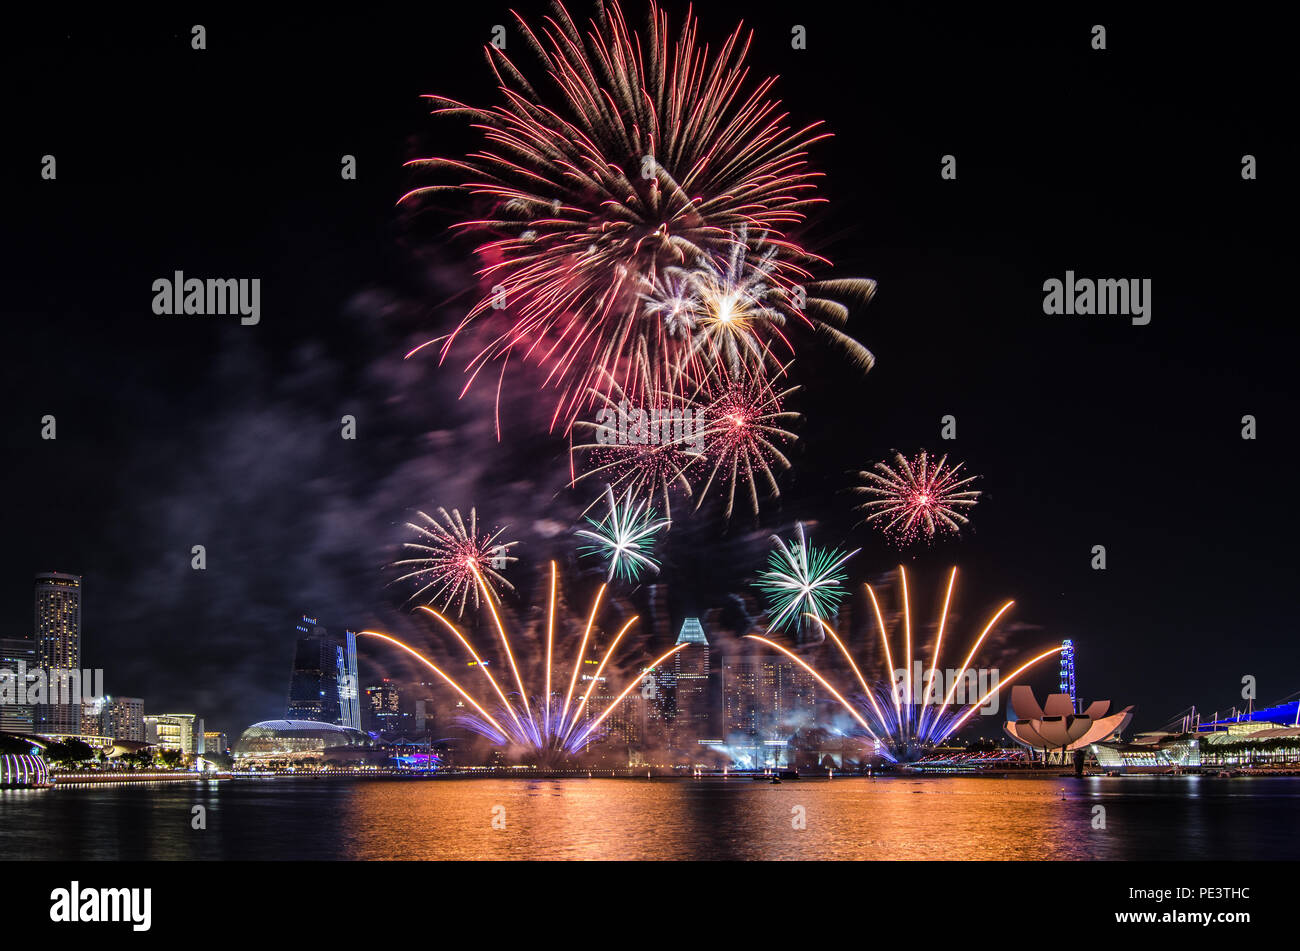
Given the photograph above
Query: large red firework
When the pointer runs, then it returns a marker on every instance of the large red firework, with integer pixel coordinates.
(637, 154)
(454, 560)
(917, 497)
(745, 432)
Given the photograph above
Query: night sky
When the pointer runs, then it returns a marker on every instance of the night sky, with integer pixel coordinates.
(176, 431)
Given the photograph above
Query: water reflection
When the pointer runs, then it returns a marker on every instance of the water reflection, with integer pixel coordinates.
(944, 818)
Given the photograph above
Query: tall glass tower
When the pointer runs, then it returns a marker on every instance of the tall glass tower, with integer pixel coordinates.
(323, 687)
(691, 675)
(58, 647)
(349, 685)
(58, 620)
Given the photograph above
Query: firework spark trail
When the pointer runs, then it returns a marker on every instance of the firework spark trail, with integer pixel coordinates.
(916, 497)
(452, 554)
(625, 536)
(558, 733)
(642, 155)
(646, 449)
(437, 670)
(744, 430)
(802, 581)
(938, 641)
(591, 685)
(820, 679)
(908, 731)
(478, 661)
(590, 730)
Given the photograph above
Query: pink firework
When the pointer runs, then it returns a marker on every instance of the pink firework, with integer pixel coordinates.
(917, 497)
(745, 432)
(451, 556)
(647, 451)
(633, 153)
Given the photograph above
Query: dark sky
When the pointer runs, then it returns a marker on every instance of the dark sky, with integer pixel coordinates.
(180, 431)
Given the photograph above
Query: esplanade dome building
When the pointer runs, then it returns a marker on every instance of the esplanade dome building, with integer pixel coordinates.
(297, 741)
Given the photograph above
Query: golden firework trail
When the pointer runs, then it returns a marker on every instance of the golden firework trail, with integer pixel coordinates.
(513, 719)
(916, 722)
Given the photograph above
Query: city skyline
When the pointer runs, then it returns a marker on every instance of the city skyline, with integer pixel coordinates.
(1085, 431)
(638, 430)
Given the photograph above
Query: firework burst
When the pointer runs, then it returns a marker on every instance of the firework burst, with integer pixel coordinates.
(737, 300)
(625, 537)
(906, 714)
(917, 497)
(802, 582)
(647, 451)
(544, 720)
(744, 433)
(640, 153)
(451, 555)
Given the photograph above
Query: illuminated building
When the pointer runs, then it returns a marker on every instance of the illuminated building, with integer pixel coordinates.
(350, 684)
(1156, 754)
(124, 718)
(16, 651)
(93, 722)
(691, 716)
(1067, 674)
(383, 707)
(323, 686)
(290, 742)
(175, 731)
(626, 725)
(1257, 739)
(215, 742)
(765, 700)
(1055, 730)
(58, 646)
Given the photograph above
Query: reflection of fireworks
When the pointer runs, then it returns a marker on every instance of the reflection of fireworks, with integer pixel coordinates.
(905, 717)
(625, 536)
(802, 581)
(450, 555)
(642, 152)
(744, 430)
(917, 496)
(543, 725)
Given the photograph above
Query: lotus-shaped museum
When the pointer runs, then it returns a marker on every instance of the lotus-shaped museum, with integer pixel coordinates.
(1056, 728)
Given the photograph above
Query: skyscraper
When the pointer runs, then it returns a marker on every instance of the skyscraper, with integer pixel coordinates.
(124, 718)
(323, 686)
(350, 685)
(58, 647)
(17, 656)
(383, 707)
(691, 722)
(766, 699)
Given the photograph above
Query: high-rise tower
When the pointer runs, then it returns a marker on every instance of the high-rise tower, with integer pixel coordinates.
(691, 676)
(57, 632)
(323, 686)
(58, 620)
